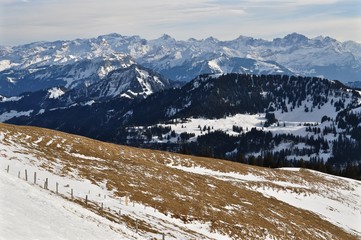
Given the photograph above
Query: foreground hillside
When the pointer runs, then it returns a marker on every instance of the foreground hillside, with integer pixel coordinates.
(145, 194)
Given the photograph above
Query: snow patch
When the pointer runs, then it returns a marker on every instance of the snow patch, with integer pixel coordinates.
(55, 93)
(5, 64)
(89, 103)
(48, 216)
(9, 115)
(11, 99)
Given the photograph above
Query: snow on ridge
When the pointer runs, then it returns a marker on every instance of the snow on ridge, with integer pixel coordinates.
(125, 95)
(11, 99)
(55, 93)
(8, 115)
(5, 64)
(294, 169)
(89, 103)
(214, 65)
(147, 88)
(145, 80)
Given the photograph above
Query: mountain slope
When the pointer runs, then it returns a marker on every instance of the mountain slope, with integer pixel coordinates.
(184, 196)
(216, 96)
(129, 82)
(289, 119)
(121, 86)
(32, 78)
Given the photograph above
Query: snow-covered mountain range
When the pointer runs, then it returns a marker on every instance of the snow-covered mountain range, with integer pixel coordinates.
(61, 186)
(71, 63)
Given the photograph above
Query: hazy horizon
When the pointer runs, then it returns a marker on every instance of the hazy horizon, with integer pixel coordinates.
(26, 21)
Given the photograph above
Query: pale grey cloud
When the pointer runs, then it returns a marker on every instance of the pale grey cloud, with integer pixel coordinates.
(33, 20)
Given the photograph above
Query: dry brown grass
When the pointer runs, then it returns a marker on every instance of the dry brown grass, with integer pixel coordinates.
(231, 207)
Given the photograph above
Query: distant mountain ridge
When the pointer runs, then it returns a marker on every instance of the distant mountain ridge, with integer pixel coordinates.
(47, 64)
(354, 84)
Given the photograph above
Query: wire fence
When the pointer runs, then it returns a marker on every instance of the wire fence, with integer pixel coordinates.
(114, 215)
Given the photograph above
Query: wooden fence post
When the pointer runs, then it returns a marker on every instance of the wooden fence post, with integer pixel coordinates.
(19, 174)
(34, 178)
(57, 186)
(119, 215)
(46, 184)
(136, 226)
(86, 200)
(7, 169)
(163, 236)
(26, 175)
(71, 193)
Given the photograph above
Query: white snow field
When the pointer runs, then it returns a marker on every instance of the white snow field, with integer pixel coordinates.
(30, 212)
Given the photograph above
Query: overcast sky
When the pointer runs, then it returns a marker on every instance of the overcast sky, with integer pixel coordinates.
(25, 21)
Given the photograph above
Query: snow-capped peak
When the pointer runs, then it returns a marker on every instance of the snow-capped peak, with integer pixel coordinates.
(135, 80)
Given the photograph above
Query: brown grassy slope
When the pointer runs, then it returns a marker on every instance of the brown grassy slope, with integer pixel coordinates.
(231, 207)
